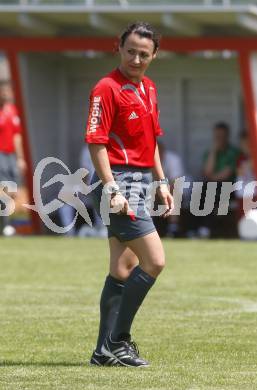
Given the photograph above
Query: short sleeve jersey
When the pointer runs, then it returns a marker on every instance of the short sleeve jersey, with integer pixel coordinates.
(9, 126)
(124, 116)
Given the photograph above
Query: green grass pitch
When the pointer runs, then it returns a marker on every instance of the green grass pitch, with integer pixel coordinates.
(198, 326)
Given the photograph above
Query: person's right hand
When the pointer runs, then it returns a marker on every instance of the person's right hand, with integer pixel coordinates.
(120, 204)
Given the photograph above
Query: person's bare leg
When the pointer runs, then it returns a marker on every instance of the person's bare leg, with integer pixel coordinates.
(150, 252)
(122, 259)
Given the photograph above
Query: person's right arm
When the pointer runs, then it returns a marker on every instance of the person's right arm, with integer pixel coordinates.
(101, 162)
(102, 166)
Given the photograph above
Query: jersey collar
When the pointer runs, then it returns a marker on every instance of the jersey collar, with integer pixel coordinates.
(125, 80)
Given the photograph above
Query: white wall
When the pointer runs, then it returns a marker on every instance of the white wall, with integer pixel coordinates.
(40, 82)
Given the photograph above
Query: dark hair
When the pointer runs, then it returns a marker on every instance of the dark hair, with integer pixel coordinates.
(144, 30)
(222, 125)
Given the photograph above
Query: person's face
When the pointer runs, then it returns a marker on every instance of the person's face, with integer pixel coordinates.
(220, 138)
(136, 55)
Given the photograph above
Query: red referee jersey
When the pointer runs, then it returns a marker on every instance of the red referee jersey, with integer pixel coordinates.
(9, 126)
(124, 116)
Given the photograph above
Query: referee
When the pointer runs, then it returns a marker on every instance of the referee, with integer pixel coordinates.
(121, 132)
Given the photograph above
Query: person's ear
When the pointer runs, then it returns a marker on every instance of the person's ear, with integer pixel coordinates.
(155, 54)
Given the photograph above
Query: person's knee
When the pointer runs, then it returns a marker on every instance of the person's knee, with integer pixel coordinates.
(122, 272)
(155, 266)
(158, 265)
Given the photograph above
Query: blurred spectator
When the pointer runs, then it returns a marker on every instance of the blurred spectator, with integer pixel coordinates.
(220, 161)
(171, 162)
(86, 162)
(219, 166)
(245, 173)
(173, 168)
(12, 162)
(67, 212)
(98, 230)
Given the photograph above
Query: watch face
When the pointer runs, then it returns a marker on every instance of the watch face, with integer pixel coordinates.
(110, 189)
(114, 189)
(163, 181)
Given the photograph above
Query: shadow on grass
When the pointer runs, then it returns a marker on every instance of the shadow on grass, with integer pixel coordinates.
(11, 363)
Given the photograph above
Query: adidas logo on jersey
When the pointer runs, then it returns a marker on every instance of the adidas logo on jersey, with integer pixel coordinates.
(133, 115)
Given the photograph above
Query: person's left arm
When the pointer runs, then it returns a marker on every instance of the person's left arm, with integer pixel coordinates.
(163, 190)
(17, 140)
(21, 162)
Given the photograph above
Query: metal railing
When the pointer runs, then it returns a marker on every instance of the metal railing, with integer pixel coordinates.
(89, 3)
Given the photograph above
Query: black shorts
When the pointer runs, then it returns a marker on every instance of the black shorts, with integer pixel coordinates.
(134, 184)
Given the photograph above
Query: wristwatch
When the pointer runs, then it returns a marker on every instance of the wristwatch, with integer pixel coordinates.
(163, 181)
(112, 189)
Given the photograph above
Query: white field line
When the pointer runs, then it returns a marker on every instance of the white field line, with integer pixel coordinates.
(246, 305)
(242, 306)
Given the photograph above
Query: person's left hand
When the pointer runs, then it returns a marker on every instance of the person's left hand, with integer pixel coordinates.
(166, 199)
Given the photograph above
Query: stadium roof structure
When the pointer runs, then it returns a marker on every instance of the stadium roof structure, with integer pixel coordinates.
(107, 17)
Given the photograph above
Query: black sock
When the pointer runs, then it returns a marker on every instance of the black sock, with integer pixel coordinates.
(109, 307)
(136, 287)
